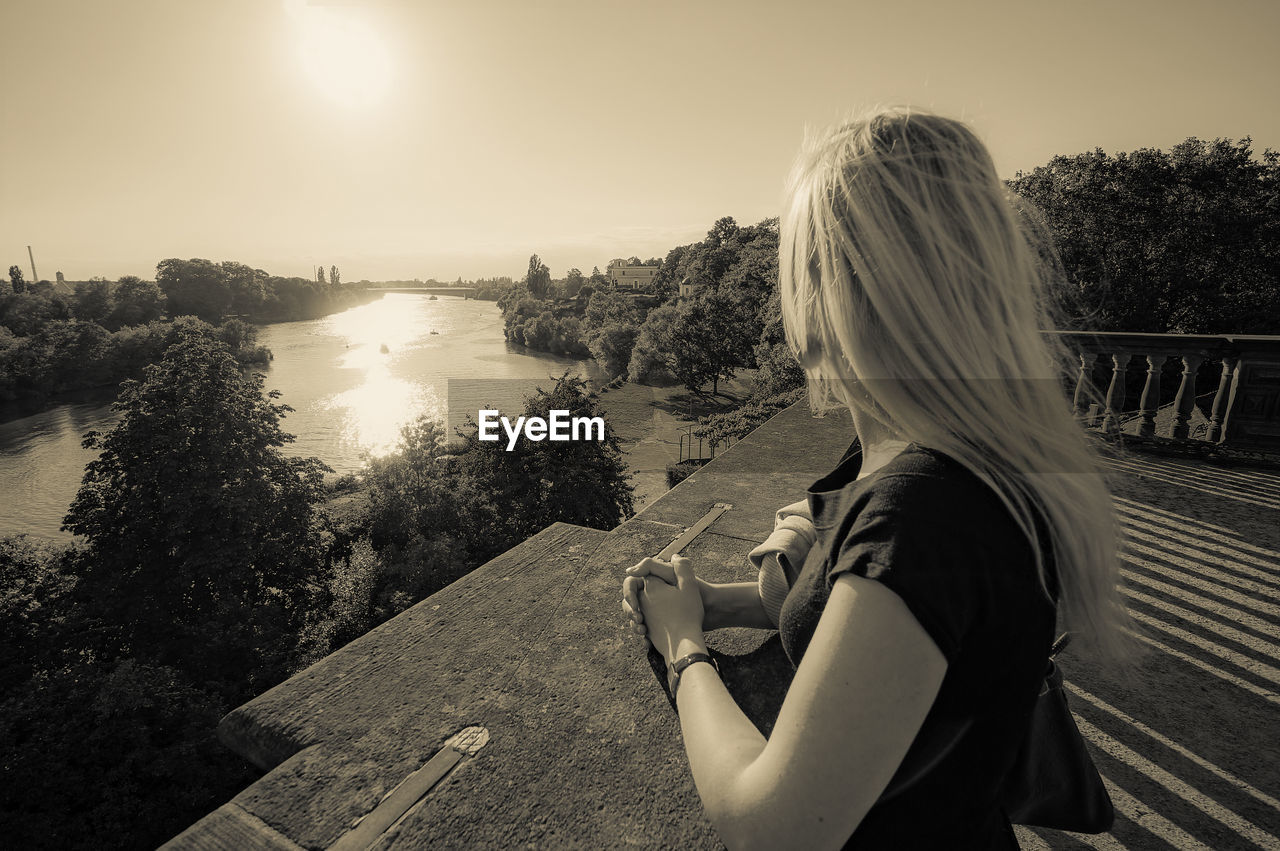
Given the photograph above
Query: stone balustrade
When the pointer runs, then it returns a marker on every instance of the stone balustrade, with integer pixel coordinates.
(1245, 409)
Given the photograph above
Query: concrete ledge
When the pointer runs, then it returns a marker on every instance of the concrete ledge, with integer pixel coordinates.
(229, 828)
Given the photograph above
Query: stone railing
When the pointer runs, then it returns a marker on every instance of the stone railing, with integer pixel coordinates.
(1245, 408)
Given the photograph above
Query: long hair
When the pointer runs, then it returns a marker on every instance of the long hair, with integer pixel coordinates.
(912, 293)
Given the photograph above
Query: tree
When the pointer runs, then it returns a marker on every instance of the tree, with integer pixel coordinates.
(333, 275)
(319, 274)
(92, 300)
(539, 330)
(703, 339)
(538, 280)
(650, 354)
(33, 592)
(16, 280)
(194, 287)
(610, 307)
(1184, 241)
(74, 355)
(201, 549)
(576, 481)
(248, 286)
(573, 282)
(137, 302)
(722, 231)
(133, 743)
(612, 345)
(428, 521)
(24, 313)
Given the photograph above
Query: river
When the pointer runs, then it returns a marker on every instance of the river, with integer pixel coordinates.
(354, 379)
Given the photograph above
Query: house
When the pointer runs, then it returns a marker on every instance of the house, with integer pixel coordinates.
(627, 275)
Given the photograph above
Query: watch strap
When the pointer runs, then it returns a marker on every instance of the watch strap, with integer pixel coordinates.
(677, 668)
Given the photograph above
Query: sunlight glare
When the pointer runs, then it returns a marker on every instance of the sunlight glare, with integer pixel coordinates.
(378, 335)
(342, 55)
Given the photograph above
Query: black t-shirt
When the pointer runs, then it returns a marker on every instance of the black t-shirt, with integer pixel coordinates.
(938, 537)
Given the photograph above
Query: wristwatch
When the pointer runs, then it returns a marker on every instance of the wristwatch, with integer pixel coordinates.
(676, 668)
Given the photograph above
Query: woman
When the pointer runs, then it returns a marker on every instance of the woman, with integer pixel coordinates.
(972, 516)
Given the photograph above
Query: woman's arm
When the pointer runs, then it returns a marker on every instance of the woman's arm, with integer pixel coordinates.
(733, 604)
(864, 687)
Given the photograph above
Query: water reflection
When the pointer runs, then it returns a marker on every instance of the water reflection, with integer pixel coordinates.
(41, 465)
(381, 338)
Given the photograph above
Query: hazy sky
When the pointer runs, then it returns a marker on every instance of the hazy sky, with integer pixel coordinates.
(438, 138)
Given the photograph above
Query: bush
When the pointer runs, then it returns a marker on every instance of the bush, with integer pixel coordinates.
(677, 473)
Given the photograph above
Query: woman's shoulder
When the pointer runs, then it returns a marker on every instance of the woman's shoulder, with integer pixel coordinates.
(926, 478)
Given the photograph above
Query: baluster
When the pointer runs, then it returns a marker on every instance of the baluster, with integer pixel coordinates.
(1115, 392)
(1186, 398)
(1080, 402)
(1220, 399)
(1150, 401)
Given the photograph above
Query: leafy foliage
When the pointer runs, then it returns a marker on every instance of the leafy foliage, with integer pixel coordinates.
(1185, 241)
(16, 282)
(708, 337)
(34, 593)
(202, 559)
(136, 302)
(539, 483)
(62, 355)
(211, 291)
(111, 754)
(612, 345)
(200, 540)
(92, 300)
(538, 280)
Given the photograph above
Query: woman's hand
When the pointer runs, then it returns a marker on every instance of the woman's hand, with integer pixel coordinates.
(633, 584)
(668, 611)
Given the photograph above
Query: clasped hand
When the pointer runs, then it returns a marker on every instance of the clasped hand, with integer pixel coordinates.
(664, 601)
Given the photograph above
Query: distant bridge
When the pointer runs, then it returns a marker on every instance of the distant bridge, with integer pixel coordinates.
(465, 292)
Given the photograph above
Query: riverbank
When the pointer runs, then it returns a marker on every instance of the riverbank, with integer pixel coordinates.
(94, 371)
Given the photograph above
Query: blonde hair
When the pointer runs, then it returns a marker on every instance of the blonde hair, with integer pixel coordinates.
(913, 294)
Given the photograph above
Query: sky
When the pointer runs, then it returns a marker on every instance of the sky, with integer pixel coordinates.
(401, 139)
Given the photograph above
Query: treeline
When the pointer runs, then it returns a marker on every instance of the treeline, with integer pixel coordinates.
(211, 566)
(214, 290)
(489, 289)
(1185, 241)
(53, 343)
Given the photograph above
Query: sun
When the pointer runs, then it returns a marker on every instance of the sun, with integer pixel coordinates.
(342, 55)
